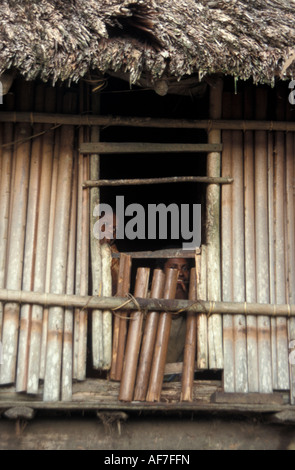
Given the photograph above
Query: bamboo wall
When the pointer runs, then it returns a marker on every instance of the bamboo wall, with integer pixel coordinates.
(44, 247)
(258, 240)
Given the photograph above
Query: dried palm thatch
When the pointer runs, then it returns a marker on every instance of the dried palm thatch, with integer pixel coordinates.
(64, 39)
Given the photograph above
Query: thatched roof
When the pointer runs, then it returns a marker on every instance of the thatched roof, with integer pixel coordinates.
(64, 39)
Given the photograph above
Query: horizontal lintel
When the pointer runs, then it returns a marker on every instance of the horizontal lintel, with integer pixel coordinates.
(145, 147)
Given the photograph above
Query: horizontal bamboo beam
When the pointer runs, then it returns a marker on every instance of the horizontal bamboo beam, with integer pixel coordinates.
(145, 147)
(95, 120)
(167, 253)
(172, 179)
(173, 305)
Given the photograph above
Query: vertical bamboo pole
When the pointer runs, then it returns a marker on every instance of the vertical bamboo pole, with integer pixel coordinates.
(227, 258)
(5, 195)
(82, 267)
(82, 256)
(29, 249)
(290, 246)
(162, 339)
(134, 339)
(52, 378)
(272, 257)
(213, 232)
(123, 287)
(106, 263)
(122, 334)
(16, 241)
(95, 251)
(250, 265)
(190, 345)
(149, 338)
(262, 255)
(202, 323)
(41, 248)
(67, 350)
(282, 378)
(50, 247)
(238, 251)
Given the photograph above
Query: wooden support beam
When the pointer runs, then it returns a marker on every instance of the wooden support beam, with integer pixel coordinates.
(97, 120)
(172, 179)
(145, 147)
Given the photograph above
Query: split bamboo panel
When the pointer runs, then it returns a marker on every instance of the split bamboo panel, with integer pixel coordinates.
(213, 232)
(52, 379)
(16, 237)
(134, 339)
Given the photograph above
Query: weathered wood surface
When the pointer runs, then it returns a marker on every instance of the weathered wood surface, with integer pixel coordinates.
(98, 120)
(146, 147)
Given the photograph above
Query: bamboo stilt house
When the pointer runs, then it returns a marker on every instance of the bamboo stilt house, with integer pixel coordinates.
(155, 102)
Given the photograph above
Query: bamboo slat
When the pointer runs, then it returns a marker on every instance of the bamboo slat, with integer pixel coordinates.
(52, 379)
(202, 322)
(41, 243)
(272, 255)
(261, 234)
(6, 135)
(134, 339)
(82, 268)
(227, 259)
(238, 247)
(50, 247)
(106, 263)
(281, 374)
(190, 345)
(250, 264)
(95, 252)
(123, 287)
(162, 339)
(149, 338)
(29, 251)
(18, 211)
(290, 250)
(213, 232)
(68, 326)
